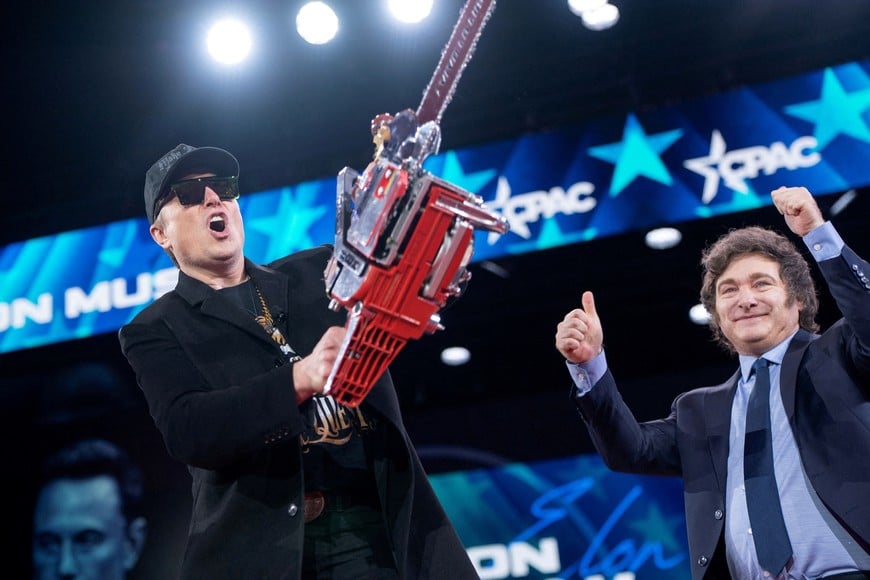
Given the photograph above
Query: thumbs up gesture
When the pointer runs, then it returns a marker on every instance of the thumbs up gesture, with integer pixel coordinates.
(579, 336)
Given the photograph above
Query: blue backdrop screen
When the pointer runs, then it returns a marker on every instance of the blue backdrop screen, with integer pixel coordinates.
(713, 156)
(568, 518)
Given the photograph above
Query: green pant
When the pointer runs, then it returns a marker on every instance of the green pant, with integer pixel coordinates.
(348, 543)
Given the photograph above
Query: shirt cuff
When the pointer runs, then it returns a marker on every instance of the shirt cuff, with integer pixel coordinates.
(585, 375)
(824, 242)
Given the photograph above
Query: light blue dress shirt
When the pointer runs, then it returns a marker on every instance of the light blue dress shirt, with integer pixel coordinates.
(821, 546)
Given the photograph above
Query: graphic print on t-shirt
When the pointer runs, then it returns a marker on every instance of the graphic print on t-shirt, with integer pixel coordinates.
(333, 424)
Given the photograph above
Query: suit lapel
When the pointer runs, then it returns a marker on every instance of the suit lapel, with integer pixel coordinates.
(211, 303)
(790, 364)
(718, 402)
(717, 418)
(273, 286)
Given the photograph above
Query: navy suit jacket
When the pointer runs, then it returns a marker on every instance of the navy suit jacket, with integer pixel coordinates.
(825, 386)
(222, 396)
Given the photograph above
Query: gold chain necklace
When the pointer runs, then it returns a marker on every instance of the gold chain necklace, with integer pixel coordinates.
(268, 324)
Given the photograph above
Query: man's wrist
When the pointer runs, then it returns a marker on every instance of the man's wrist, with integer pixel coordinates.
(824, 242)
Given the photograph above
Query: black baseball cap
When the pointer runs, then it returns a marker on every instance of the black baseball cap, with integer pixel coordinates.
(184, 159)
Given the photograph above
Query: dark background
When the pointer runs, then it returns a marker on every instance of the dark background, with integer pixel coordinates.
(95, 91)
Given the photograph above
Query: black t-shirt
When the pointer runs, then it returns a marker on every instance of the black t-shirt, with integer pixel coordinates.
(334, 443)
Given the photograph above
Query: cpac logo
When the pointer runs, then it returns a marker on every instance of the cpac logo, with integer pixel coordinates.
(735, 167)
(523, 209)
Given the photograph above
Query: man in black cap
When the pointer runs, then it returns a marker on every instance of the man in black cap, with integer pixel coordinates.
(287, 483)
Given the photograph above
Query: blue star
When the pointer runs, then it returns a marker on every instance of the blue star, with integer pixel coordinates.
(452, 172)
(551, 236)
(836, 112)
(656, 526)
(288, 228)
(637, 154)
(741, 201)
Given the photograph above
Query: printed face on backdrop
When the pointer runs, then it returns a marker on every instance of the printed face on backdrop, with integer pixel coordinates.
(80, 532)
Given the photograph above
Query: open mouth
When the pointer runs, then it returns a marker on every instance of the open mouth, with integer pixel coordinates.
(217, 224)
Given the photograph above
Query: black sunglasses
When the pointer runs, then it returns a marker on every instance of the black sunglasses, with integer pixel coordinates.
(192, 191)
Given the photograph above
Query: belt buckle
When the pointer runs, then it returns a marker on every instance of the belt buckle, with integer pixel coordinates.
(313, 505)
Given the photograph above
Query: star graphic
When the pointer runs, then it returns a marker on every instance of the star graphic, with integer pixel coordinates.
(741, 201)
(287, 228)
(656, 527)
(636, 155)
(704, 166)
(452, 172)
(837, 112)
(551, 236)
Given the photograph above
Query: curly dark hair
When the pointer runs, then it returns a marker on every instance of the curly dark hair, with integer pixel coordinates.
(793, 269)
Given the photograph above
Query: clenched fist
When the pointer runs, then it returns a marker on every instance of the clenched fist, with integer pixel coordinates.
(797, 205)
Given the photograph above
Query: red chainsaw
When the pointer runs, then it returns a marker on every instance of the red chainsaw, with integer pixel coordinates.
(403, 237)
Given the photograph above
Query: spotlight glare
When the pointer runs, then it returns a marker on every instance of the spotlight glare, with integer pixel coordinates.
(410, 11)
(316, 23)
(578, 7)
(699, 315)
(663, 238)
(601, 18)
(455, 356)
(229, 41)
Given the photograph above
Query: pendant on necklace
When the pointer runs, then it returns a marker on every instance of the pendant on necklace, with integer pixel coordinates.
(265, 320)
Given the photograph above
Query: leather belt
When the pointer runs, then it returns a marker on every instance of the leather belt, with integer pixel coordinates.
(313, 505)
(317, 502)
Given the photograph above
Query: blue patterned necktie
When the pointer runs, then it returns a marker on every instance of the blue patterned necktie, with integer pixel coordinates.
(762, 498)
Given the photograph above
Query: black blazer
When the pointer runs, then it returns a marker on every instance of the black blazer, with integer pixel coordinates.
(825, 386)
(222, 397)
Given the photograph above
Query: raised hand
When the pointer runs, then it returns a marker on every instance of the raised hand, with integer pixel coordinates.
(579, 336)
(797, 205)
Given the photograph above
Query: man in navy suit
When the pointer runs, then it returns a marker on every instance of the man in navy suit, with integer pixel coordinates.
(760, 295)
(287, 483)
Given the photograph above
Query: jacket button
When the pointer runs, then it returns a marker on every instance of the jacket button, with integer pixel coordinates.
(702, 561)
(718, 514)
(293, 509)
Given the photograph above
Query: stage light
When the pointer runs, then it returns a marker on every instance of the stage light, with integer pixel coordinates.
(495, 269)
(699, 315)
(663, 238)
(410, 11)
(455, 356)
(843, 201)
(601, 18)
(229, 41)
(316, 23)
(578, 7)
